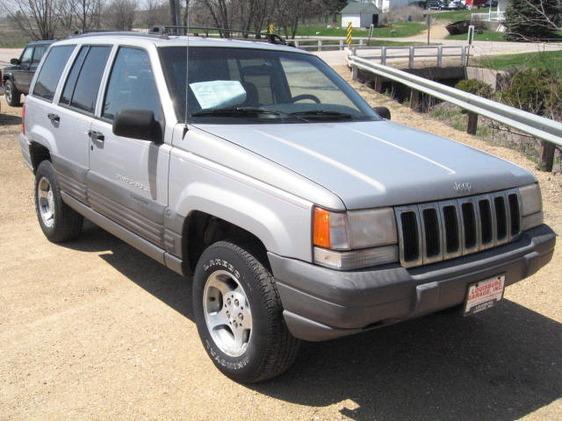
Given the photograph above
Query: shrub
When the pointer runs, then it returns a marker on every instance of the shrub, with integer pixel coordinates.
(538, 91)
(532, 19)
(475, 87)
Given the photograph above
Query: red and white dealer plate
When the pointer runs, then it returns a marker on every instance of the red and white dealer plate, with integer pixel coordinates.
(484, 294)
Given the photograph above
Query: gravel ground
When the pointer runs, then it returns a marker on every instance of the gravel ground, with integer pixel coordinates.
(94, 329)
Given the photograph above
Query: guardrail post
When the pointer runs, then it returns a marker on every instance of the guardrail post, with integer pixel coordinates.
(296, 42)
(472, 123)
(547, 156)
(440, 56)
(383, 55)
(411, 58)
(416, 100)
(341, 44)
(361, 43)
(377, 84)
(319, 45)
(463, 56)
(354, 72)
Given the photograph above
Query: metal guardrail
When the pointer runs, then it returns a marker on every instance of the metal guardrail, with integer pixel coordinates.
(489, 17)
(540, 127)
(413, 52)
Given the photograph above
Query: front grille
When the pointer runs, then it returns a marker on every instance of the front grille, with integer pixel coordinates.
(436, 231)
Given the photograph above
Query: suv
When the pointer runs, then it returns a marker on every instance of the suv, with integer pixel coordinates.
(299, 213)
(17, 77)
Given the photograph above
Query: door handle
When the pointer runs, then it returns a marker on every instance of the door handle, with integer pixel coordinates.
(94, 135)
(55, 119)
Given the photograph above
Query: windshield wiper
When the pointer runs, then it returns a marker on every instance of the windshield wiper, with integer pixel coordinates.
(323, 114)
(238, 112)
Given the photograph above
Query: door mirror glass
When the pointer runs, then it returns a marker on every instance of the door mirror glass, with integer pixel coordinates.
(137, 124)
(15, 61)
(383, 112)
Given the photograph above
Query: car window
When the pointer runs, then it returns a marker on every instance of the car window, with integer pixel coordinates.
(82, 85)
(26, 56)
(51, 71)
(38, 53)
(131, 85)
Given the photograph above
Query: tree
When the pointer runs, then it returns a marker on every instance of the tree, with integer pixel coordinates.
(532, 19)
(36, 18)
(121, 14)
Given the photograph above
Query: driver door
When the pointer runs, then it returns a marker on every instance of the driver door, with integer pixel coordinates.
(127, 181)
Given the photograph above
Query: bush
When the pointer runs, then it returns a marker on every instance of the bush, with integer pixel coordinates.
(476, 87)
(538, 91)
(530, 19)
(404, 14)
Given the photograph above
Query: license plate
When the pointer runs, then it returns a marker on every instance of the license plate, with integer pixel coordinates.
(484, 294)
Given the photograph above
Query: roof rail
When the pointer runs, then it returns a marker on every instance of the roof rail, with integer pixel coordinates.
(101, 32)
(209, 32)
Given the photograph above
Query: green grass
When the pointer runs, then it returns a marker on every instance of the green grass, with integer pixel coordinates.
(395, 30)
(452, 16)
(551, 60)
(484, 36)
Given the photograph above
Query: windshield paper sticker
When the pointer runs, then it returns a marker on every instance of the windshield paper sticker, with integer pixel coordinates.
(218, 93)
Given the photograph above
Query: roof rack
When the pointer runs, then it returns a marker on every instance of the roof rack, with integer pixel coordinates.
(211, 32)
(102, 32)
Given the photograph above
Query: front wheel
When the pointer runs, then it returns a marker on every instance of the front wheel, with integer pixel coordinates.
(239, 315)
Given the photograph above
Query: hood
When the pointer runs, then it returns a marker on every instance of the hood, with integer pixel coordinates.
(377, 163)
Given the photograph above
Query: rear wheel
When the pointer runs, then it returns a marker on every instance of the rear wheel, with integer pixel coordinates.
(58, 221)
(239, 315)
(12, 94)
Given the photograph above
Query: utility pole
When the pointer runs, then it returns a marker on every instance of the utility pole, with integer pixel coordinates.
(428, 28)
(174, 15)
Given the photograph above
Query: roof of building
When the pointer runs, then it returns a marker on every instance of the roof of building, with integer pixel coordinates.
(355, 7)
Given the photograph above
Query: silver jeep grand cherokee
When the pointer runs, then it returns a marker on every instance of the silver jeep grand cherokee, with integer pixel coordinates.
(256, 170)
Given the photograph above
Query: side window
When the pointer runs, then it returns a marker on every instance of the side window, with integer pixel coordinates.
(82, 84)
(51, 71)
(37, 54)
(131, 85)
(26, 56)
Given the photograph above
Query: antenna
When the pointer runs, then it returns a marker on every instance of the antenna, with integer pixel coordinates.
(187, 114)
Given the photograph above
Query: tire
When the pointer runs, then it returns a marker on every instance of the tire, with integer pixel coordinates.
(268, 349)
(58, 221)
(12, 94)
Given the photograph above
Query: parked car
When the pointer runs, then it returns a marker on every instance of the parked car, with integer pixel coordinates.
(17, 77)
(435, 5)
(297, 211)
(456, 5)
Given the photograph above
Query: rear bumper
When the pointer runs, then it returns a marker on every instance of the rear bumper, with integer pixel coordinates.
(321, 304)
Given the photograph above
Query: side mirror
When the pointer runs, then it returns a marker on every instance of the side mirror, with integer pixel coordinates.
(15, 61)
(383, 112)
(138, 124)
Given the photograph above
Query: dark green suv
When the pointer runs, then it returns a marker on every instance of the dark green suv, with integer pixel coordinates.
(17, 77)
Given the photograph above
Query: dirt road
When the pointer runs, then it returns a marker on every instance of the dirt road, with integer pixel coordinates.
(94, 329)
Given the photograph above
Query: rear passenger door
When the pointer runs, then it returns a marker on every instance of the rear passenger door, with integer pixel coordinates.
(73, 116)
(127, 181)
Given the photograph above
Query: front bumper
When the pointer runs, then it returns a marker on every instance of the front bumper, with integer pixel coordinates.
(321, 304)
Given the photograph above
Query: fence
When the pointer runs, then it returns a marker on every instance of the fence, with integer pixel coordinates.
(434, 52)
(549, 131)
(489, 17)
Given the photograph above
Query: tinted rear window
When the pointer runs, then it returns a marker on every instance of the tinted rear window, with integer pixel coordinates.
(51, 71)
(81, 89)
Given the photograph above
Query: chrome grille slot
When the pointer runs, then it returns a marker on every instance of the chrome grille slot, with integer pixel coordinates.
(515, 214)
(432, 232)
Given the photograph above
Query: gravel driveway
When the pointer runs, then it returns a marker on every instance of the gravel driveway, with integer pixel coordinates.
(94, 329)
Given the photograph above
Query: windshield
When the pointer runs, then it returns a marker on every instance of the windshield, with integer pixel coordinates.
(241, 85)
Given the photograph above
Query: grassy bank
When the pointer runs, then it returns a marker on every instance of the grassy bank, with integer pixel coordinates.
(551, 60)
(484, 36)
(395, 30)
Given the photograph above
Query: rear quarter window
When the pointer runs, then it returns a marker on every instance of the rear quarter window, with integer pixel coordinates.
(51, 71)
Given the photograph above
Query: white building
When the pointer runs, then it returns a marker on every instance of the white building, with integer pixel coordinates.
(360, 14)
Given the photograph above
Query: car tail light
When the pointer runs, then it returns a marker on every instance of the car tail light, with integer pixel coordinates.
(23, 119)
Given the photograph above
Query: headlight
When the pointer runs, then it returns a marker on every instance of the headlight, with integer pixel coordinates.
(354, 240)
(531, 206)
